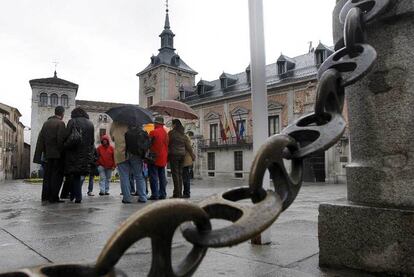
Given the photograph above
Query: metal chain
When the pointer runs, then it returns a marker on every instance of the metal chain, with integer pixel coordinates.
(309, 134)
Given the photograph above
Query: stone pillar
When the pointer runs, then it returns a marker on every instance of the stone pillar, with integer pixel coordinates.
(374, 229)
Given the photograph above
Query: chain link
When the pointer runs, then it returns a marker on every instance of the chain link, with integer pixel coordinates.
(311, 133)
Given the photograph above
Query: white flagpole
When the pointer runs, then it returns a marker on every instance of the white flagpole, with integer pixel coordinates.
(258, 89)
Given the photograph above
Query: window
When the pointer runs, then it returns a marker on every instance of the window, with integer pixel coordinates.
(54, 100)
(105, 118)
(281, 67)
(211, 162)
(213, 132)
(64, 100)
(273, 125)
(102, 132)
(238, 160)
(223, 82)
(43, 99)
(150, 100)
(320, 57)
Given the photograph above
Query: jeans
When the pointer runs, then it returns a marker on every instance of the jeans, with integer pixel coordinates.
(132, 182)
(76, 192)
(124, 170)
(105, 175)
(90, 184)
(136, 170)
(158, 181)
(186, 180)
(52, 180)
(176, 163)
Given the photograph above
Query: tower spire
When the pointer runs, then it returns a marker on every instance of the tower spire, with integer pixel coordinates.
(167, 36)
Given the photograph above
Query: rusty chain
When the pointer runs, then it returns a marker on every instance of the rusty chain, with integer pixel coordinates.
(315, 132)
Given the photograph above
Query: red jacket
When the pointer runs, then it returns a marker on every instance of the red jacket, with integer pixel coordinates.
(159, 145)
(106, 157)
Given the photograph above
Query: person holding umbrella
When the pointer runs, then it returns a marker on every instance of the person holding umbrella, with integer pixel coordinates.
(156, 169)
(131, 143)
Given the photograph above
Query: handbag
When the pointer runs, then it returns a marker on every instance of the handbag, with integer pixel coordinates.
(75, 136)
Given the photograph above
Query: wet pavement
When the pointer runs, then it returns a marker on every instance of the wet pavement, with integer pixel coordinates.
(34, 234)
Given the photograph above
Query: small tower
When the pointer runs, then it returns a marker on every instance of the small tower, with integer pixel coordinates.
(166, 73)
(47, 93)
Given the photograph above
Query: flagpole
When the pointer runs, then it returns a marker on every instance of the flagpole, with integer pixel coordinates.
(258, 89)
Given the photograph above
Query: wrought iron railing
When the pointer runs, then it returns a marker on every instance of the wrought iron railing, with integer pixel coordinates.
(245, 141)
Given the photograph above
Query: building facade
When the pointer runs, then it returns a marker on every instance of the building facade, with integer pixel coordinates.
(12, 159)
(47, 93)
(223, 133)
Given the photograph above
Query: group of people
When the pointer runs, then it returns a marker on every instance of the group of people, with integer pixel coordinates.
(68, 154)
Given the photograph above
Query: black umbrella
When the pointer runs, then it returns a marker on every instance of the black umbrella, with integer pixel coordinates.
(131, 115)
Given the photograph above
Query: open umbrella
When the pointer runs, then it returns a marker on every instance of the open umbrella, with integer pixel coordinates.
(174, 108)
(131, 115)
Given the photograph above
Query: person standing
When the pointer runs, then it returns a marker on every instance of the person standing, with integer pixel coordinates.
(49, 149)
(156, 168)
(79, 156)
(176, 154)
(117, 133)
(187, 164)
(106, 164)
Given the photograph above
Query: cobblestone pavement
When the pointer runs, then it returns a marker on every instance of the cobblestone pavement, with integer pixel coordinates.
(33, 234)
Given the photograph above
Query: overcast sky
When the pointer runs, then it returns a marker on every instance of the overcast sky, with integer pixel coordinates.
(102, 44)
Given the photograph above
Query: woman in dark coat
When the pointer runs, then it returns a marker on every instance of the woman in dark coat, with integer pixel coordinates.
(80, 156)
(176, 154)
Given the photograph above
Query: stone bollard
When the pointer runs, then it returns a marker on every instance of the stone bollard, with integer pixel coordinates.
(374, 229)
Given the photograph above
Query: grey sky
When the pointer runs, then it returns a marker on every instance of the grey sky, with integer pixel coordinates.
(102, 44)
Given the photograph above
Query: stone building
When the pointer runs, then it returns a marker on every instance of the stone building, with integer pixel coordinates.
(47, 93)
(12, 149)
(226, 101)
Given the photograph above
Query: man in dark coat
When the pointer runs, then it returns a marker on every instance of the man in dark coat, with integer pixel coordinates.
(49, 149)
(79, 157)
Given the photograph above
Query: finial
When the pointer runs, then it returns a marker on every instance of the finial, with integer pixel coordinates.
(166, 6)
(55, 74)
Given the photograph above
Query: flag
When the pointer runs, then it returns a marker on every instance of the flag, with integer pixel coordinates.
(236, 129)
(242, 130)
(222, 131)
(227, 127)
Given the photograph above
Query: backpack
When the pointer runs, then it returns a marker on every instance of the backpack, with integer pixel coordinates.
(137, 141)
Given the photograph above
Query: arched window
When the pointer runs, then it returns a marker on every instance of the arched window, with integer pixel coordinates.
(54, 100)
(43, 99)
(64, 100)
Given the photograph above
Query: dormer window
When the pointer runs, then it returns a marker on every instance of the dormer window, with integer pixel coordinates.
(322, 52)
(281, 68)
(227, 80)
(320, 57)
(175, 60)
(155, 60)
(285, 66)
(200, 89)
(223, 83)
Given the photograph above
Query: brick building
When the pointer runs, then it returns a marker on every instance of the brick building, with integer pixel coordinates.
(226, 101)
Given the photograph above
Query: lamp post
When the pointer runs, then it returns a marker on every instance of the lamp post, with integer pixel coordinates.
(258, 88)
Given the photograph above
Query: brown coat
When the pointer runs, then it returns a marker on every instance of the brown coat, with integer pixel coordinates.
(189, 153)
(117, 133)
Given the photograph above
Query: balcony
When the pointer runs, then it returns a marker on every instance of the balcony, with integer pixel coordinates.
(233, 142)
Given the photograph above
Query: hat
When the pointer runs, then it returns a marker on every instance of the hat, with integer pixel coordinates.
(159, 120)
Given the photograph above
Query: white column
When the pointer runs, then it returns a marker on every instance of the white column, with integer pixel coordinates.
(258, 88)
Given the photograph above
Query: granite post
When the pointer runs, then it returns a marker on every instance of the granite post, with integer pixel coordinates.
(374, 229)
